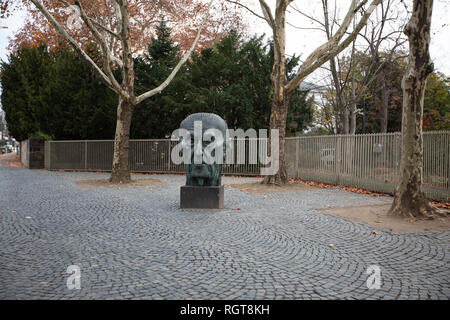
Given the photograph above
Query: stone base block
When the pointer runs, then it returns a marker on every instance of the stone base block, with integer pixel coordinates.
(194, 197)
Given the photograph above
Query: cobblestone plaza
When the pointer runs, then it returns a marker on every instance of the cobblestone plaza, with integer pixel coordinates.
(136, 243)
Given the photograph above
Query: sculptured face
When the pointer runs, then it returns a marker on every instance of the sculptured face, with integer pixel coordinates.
(203, 169)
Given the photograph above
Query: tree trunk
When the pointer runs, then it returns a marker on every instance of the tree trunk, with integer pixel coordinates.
(410, 200)
(120, 169)
(340, 105)
(278, 122)
(280, 100)
(345, 117)
(352, 129)
(384, 104)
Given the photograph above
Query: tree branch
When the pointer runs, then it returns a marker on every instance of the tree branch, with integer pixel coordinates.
(105, 28)
(248, 9)
(332, 47)
(267, 14)
(106, 52)
(73, 43)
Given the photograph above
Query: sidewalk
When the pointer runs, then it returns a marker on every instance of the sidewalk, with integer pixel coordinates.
(10, 159)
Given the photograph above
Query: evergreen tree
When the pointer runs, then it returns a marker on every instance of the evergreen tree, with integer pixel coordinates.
(55, 94)
(157, 117)
(232, 79)
(22, 86)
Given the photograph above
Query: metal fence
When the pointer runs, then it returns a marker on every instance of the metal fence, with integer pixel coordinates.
(369, 161)
(152, 155)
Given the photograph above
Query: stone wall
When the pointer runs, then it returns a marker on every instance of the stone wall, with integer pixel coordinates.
(32, 153)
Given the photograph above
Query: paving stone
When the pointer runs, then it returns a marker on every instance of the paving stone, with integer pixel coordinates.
(164, 252)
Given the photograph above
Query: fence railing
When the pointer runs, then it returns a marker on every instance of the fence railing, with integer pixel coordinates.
(369, 161)
(152, 155)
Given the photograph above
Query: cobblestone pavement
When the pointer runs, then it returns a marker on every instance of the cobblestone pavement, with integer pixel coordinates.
(135, 243)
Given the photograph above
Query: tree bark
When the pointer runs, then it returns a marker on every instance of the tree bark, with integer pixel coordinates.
(352, 107)
(278, 122)
(280, 100)
(410, 200)
(384, 103)
(120, 169)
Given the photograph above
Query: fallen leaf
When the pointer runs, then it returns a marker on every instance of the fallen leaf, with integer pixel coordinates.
(412, 221)
(134, 212)
(28, 218)
(378, 221)
(331, 245)
(374, 232)
(13, 211)
(238, 209)
(265, 196)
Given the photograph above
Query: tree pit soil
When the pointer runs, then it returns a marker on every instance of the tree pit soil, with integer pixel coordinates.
(104, 183)
(258, 187)
(377, 216)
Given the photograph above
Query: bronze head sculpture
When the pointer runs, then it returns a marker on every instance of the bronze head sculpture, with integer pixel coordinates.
(206, 130)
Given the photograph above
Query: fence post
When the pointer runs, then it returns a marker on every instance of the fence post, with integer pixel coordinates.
(338, 159)
(47, 154)
(85, 154)
(297, 150)
(168, 155)
(397, 157)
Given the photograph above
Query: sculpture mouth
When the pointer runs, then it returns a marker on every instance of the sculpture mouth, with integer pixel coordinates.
(201, 171)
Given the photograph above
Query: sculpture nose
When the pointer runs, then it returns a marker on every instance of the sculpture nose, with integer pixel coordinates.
(198, 152)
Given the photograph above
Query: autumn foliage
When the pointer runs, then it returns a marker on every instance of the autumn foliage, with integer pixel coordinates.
(184, 17)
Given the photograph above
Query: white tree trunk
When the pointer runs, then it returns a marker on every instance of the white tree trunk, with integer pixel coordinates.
(120, 168)
(409, 198)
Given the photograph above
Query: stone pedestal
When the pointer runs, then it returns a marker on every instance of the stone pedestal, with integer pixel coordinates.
(193, 197)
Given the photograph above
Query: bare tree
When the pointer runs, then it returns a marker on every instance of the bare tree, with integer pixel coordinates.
(410, 200)
(125, 89)
(380, 68)
(282, 88)
(381, 38)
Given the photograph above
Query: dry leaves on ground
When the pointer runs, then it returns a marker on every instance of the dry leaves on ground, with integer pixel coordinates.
(437, 204)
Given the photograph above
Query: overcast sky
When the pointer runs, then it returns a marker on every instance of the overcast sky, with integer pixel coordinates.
(301, 42)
